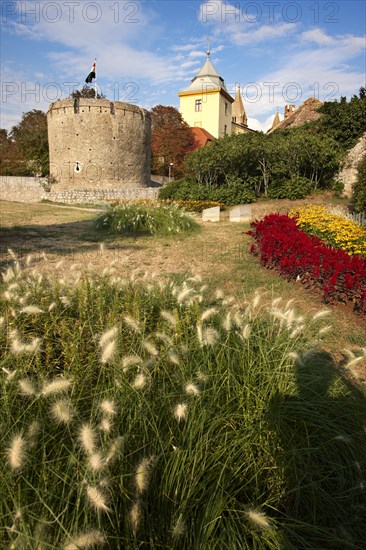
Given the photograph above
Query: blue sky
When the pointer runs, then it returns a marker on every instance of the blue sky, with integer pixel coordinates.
(147, 50)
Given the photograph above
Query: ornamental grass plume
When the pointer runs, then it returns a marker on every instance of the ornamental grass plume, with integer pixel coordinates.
(173, 358)
(87, 438)
(96, 462)
(142, 474)
(105, 425)
(32, 310)
(132, 323)
(114, 449)
(168, 317)
(322, 314)
(108, 407)
(135, 516)
(9, 374)
(107, 336)
(18, 347)
(97, 499)
(140, 381)
(26, 388)
(180, 411)
(130, 360)
(208, 313)
(89, 539)
(150, 348)
(108, 352)
(259, 519)
(56, 386)
(16, 452)
(207, 336)
(62, 411)
(192, 389)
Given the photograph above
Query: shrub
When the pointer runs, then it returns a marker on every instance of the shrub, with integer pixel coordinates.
(236, 193)
(281, 245)
(150, 415)
(290, 189)
(144, 217)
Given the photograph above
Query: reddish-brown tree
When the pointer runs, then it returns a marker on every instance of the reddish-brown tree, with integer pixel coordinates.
(172, 139)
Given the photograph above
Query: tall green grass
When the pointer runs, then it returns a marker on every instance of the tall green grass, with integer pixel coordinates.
(147, 218)
(146, 414)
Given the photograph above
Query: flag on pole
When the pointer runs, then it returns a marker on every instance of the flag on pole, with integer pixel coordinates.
(92, 74)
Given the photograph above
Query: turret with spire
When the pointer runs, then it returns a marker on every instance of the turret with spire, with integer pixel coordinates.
(238, 110)
(206, 103)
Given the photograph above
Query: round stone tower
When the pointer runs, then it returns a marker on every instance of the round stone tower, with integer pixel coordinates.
(95, 143)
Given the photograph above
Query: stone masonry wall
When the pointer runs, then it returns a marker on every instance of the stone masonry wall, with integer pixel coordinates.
(348, 174)
(27, 189)
(89, 196)
(20, 189)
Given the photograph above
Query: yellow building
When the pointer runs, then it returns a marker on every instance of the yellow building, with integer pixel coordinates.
(207, 104)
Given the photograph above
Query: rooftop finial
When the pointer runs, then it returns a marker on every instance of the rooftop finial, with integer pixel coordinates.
(208, 53)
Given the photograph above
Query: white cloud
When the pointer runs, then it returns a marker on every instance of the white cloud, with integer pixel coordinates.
(239, 25)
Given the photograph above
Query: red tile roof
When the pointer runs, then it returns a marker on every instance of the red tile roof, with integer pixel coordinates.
(201, 137)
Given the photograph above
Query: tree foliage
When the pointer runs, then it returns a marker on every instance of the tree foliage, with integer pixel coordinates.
(172, 138)
(344, 121)
(86, 91)
(31, 142)
(270, 165)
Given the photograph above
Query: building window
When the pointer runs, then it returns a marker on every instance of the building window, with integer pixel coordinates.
(225, 108)
(198, 105)
(225, 130)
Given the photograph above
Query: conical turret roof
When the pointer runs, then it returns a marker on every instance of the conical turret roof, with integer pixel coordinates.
(206, 79)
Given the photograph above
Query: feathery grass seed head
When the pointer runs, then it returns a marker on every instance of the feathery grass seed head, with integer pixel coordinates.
(108, 352)
(142, 474)
(259, 519)
(108, 407)
(87, 438)
(168, 317)
(26, 388)
(192, 389)
(62, 411)
(135, 516)
(107, 336)
(150, 348)
(90, 539)
(16, 452)
(97, 499)
(180, 411)
(56, 386)
(140, 381)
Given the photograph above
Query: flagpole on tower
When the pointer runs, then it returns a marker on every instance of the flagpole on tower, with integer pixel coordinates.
(95, 83)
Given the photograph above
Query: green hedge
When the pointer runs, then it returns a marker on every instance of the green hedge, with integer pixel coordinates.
(236, 193)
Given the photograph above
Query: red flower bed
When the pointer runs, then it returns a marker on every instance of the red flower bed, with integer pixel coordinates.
(281, 245)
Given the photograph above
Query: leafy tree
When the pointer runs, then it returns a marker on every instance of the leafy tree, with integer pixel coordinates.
(31, 142)
(86, 91)
(172, 138)
(344, 121)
